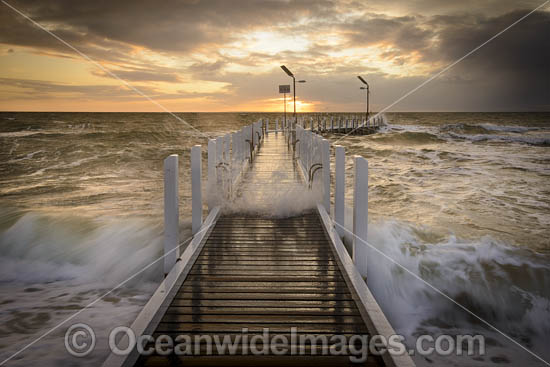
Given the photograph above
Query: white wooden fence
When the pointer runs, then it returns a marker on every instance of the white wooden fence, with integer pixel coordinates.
(229, 157)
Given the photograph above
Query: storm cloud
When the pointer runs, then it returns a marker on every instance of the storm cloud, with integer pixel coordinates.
(327, 42)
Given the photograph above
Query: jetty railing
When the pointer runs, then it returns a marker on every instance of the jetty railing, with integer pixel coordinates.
(336, 124)
(313, 155)
(228, 158)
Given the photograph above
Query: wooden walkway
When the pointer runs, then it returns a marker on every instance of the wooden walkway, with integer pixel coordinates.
(272, 174)
(256, 289)
(260, 272)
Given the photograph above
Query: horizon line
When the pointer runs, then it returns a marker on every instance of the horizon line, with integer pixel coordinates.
(279, 112)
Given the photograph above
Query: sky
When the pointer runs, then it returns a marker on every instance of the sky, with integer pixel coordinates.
(225, 55)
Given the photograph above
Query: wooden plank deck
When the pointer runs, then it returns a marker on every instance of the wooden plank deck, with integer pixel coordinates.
(272, 173)
(260, 273)
(257, 272)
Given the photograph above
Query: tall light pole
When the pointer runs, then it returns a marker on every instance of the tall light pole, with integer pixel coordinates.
(368, 92)
(289, 73)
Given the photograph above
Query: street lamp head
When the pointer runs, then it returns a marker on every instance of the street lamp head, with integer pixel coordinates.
(363, 80)
(362, 88)
(288, 72)
(301, 81)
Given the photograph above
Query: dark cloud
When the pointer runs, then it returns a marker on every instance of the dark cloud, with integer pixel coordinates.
(207, 70)
(462, 7)
(31, 89)
(141, 75)
(170, 25)
(402, 32)
(18, 31)
(28, 89)
(509, 73)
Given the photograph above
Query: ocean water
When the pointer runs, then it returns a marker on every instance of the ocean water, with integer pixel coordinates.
(460, 199)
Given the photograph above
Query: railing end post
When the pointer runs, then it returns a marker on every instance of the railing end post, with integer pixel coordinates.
(171, 212)
(326, 174)
(196, 189)
(360, 214)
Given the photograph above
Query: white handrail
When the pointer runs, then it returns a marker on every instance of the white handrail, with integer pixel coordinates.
(314, 154)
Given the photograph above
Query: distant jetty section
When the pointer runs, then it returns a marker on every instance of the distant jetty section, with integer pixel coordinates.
(335, 124)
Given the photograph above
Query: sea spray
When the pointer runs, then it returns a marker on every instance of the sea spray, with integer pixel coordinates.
(507, 286)
(55, 265)
(282, 203)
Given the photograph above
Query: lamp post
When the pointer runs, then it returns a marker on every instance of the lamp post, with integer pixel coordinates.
(368, 92)
(289, 73)
(285, 88)
(286, 129)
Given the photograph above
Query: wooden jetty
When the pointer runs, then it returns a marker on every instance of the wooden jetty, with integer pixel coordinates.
(342, 124)
(244, 274)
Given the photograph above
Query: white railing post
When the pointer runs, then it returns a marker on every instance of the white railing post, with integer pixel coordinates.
(227, 144)
(339, 188)
(220, 174)
(308, 150)
(212, 180)
(219, 150)
(242, 144)
(234, 151)
(196, 189)
(240, 148)
(171, 213)
(326, 173)
(249, 135)
(253, 135)
(311, 149)
(262, 130)
(303, 146)
(244, 149)
(360, 214)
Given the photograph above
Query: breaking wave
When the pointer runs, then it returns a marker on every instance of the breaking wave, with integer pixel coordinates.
(408, 137)
(486, 128)
(507, 286)
(39, 248)
(530, 140)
